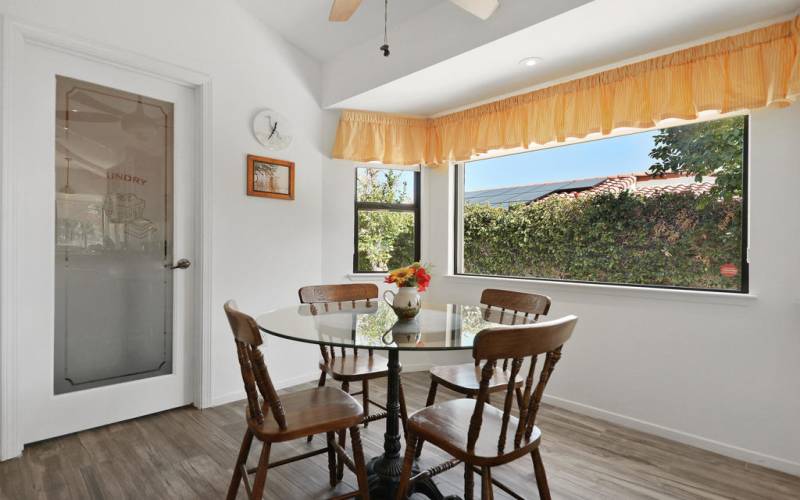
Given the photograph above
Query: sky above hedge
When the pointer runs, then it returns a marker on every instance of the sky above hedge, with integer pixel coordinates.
(598, 158)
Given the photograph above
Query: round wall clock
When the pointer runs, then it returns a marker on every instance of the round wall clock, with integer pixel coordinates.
(272, 129)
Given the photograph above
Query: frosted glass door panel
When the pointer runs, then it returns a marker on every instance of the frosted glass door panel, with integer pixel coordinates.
(113, 287)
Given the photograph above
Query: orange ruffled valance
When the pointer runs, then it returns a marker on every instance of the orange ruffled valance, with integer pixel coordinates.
(748, 71)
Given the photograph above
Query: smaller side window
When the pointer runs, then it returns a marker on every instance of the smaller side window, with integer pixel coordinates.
(386, 219)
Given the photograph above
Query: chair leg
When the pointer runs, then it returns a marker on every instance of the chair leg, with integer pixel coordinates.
(403, 410)
(365, 400)
(541, 477)
(408, 462)
(486, 484)
(342, 437)
(241, 460)
(358, 459)
(261, 472)
(339, 461)
(431, 393)
(332, 459)
(469, 481)
(321, 383)
(428, 402)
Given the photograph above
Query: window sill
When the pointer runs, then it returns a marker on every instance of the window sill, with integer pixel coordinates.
(692, 296)
(366, 276)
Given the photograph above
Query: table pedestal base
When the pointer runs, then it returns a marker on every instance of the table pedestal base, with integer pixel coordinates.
(384, 477)
(384, 471)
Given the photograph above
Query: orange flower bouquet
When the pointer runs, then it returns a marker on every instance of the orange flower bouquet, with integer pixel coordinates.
(411, 280)
(413, 275)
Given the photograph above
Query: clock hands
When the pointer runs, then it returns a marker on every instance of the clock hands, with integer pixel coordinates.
(265, 128)
(274, 129)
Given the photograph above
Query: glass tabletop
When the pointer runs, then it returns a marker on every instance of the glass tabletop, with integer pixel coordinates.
(374, 325)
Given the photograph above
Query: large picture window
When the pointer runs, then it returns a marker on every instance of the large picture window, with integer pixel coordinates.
(386, 219)
(661, 208)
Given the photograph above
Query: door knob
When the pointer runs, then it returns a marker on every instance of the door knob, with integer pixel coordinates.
(181, 264)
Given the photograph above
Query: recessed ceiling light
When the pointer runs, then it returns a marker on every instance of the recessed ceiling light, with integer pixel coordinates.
(530, 61)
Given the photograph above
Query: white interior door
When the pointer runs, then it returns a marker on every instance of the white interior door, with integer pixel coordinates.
(108, 194)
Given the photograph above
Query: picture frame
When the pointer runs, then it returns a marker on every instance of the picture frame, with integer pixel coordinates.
(270, 177)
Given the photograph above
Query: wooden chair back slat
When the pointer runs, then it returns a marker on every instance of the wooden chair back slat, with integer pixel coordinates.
(253, 368)
(517, 343)
(325, 294)
(526, 395)
(337, 295)
(519, 304)
(515, 366)
(533, 405)
(483, 394)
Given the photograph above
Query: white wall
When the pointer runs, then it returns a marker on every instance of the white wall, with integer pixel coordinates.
(263, 249)
(716, 371)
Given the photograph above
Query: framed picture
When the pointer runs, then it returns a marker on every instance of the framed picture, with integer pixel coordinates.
(270, 178)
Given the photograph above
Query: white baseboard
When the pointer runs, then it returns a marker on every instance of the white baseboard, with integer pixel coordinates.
(728, 450)
(226, 398)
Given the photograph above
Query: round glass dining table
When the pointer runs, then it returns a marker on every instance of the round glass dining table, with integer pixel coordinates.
(374, 325)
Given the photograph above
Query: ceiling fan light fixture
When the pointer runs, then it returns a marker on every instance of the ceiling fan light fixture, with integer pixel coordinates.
(529, 62)
(385, 47)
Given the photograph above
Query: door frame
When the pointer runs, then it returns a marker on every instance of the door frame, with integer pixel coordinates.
(15, 36)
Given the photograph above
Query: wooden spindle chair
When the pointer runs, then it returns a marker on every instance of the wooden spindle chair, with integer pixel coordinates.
(299, 414)
(514, 307)
(479, 435)
(350, 367)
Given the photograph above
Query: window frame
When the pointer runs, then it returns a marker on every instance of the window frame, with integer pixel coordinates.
(744, 265)
(389, 207)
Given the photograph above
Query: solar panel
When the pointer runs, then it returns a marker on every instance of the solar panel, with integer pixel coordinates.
(527, 189)
(527, 193)
(500, 198)
(586, 183)
(522, 197)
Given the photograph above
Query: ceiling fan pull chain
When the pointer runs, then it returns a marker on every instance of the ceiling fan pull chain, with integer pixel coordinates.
(385, 47)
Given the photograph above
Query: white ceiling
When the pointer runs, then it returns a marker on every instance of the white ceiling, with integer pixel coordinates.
(593, 35)
(305, 22)
(421, 33)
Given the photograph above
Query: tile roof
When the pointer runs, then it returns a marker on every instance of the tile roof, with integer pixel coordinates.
(639, 183)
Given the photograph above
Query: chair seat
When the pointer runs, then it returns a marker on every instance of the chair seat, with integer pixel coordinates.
(446, 425)
(465, 379)
(359, 367)
(312, 411)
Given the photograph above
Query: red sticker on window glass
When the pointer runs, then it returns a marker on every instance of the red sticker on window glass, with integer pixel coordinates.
(728, 270)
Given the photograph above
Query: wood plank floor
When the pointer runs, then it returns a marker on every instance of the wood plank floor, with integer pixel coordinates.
(188, 454)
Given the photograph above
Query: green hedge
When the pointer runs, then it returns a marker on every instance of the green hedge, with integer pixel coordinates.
(385, 240)
(671, 240)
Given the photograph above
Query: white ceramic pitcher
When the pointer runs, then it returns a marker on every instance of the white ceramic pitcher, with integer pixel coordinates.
(405, 302)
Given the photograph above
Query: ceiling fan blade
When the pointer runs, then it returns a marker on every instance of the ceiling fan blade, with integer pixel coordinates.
(478, 8)
(341, 10)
